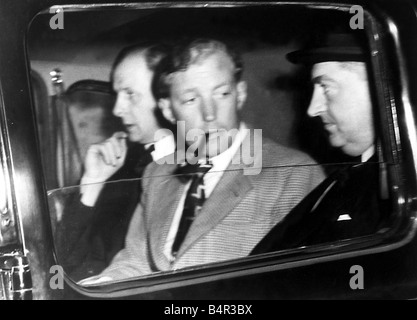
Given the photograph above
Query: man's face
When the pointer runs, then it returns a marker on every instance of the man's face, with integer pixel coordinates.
(341, 98)
(207, 97)
(135, 104)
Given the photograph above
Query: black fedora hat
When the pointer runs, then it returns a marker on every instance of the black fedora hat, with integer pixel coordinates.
(333, 47)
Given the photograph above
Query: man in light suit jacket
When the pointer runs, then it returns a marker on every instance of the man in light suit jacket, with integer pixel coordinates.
(200, 89)
(354, 200)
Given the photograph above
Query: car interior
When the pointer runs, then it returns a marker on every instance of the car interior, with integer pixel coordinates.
(73, 96)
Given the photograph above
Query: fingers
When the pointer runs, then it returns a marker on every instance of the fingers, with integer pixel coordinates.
(120, 135)
(118, 140)
(113, 150)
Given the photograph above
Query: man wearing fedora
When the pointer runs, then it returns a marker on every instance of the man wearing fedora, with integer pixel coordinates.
(350, 202)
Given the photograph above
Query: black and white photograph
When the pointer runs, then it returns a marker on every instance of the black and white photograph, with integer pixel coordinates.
(222, 152)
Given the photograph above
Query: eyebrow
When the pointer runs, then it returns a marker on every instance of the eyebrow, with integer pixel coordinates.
(192, 90)
(224, 84)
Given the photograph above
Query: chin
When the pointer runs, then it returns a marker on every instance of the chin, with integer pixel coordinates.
(336, 142)
(351, 152)
(134, 138)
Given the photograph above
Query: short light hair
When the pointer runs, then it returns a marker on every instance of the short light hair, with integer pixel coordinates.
(153, 53)
(187, 53)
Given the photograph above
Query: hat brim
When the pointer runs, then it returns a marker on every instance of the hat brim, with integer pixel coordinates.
(326, 54)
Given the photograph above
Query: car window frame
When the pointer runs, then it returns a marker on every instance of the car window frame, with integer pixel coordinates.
(294, 257)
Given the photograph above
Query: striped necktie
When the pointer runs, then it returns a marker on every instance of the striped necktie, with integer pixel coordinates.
(193, 202)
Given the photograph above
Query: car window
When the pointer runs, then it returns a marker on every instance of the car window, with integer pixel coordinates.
(273, 200)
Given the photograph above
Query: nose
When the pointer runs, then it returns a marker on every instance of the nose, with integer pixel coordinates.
(317, 103)
(209, 110)
(119, 106)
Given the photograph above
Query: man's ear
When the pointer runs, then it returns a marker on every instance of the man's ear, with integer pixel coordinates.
(242, 93)
(165, 106)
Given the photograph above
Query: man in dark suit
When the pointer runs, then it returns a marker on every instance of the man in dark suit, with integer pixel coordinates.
(352, 201)
(95, 222)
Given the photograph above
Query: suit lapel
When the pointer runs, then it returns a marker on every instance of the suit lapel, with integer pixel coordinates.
(161, 216)
(227, 194)
(230, 190)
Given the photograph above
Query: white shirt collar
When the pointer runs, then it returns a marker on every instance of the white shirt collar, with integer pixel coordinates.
(163, 147)
(368, 153)
(222, 160)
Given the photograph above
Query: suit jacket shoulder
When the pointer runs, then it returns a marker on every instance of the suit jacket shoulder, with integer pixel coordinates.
(278, 154)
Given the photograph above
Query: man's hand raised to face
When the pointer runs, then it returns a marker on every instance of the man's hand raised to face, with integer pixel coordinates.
(101, 162)
(106, 158)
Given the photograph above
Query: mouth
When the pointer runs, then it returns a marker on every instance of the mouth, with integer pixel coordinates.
(329, 126)
(215, 136)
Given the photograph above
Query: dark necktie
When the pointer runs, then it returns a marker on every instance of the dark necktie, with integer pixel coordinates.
(193, 202)
(144, 159)
(148, 152)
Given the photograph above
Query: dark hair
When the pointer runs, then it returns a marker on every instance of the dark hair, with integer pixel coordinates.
(186, 53)
(152, 52)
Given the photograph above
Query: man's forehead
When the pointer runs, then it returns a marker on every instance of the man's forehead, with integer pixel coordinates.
(333, 69)
(328, 66)
(335, 66)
